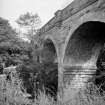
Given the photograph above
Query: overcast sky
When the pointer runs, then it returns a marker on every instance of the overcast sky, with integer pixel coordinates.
(12, 9)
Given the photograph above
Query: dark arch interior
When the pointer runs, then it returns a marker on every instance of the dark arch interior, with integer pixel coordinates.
(84, 42)
(49, 52)
(49, 58)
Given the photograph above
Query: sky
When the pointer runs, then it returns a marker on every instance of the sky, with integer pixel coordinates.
(12, 9)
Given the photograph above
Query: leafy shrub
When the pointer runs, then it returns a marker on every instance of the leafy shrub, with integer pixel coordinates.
(39, 76)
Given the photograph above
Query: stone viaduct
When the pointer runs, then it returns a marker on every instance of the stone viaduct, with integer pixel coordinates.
(76, 34)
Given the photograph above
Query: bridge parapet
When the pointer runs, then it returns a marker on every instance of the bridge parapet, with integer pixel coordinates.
(65, 13)
(73, 8)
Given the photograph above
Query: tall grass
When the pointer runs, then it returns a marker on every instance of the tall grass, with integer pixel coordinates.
(11, 94)
(90, 95)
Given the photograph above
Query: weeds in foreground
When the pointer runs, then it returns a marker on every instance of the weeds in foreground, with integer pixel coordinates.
(11, 94)
(89, 96)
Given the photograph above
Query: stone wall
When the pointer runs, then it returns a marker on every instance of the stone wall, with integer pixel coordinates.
(60, 30)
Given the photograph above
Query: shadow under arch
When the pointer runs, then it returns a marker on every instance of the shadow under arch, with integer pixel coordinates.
(50, 59)
(50, 46)
(85, 41)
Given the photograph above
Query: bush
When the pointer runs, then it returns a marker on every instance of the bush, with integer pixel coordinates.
(38, 76)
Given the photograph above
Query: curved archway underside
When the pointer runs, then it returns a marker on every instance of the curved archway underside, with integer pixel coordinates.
(49, 52)
(85, 42)
(49, 58)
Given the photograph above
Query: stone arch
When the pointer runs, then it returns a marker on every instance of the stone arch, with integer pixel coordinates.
(51, 60)
(82, 47)
(90, 19)
(50, 43)
(85, 41)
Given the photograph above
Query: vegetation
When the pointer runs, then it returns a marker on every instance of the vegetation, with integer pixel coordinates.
(11, 94)
(35, 76)
(39, 76)
(8, 41)
(13, 50)
(29, 23)
(36, 81)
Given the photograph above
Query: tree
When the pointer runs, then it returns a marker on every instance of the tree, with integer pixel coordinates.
(29, 23)
(8, 39)
(6, 31)
(13, 50)
(8, 36)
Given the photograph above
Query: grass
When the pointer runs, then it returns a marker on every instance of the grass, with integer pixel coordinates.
(11, 94)
(88, 96)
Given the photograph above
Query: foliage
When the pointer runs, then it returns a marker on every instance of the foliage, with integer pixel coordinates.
(11, 94)
(7, 39)
(13, 50)
(37, 76)
(90, 95)
(30, 23)
(7, 35)
(6, 31)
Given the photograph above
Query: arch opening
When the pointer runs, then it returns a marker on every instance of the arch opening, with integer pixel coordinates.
(49, 59)
(85, 42)
(49, 52)
(82, 52)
